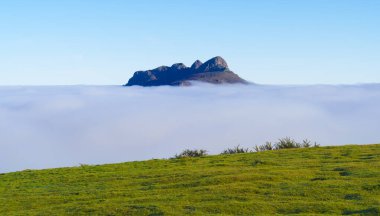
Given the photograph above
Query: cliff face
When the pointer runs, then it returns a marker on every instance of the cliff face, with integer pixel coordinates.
(214, 71)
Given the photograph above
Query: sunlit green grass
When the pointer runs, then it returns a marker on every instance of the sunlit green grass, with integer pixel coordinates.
(325, 180)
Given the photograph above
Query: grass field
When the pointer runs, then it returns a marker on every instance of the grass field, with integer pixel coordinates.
(326, 180)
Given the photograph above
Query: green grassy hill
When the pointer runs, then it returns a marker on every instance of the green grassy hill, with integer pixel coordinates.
(325, 180)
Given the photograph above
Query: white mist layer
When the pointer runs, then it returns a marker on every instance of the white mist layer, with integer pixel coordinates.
(44, 127)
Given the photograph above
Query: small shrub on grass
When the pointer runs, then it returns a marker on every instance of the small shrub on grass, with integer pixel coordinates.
(307, 143)
(236, 150)
(266, 147)
(285, 143)
(191, 153)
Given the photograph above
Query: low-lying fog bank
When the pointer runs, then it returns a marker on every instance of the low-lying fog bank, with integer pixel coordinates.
(43, 127)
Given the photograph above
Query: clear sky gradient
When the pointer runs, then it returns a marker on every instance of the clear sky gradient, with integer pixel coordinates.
(45, 42)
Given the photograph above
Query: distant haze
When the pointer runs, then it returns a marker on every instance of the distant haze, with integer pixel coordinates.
(42, 127)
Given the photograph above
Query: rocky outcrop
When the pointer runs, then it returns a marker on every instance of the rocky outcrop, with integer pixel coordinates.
(214, 71)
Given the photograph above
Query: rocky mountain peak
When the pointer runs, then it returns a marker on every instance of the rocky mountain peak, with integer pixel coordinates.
(178, 66)
(215, 64)
(196, 65)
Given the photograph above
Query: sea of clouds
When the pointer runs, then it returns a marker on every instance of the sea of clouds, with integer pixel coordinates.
(56, 126)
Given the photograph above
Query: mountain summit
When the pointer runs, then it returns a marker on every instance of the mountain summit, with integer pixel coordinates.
(213, 71)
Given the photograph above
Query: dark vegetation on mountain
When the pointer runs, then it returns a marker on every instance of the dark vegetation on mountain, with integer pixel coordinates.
(213, 71)
(340, 180)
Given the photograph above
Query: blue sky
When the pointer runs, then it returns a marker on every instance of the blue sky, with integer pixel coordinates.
(44, 42)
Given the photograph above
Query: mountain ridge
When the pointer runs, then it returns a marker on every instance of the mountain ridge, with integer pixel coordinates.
(214, 71)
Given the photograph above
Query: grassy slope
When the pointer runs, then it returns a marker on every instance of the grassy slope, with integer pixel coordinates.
(326, 180)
